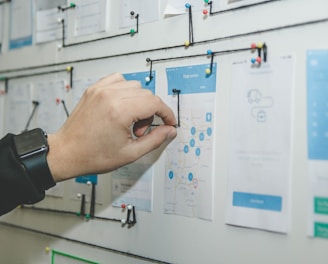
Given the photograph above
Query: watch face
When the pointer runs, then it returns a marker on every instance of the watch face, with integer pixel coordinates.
(30, 142)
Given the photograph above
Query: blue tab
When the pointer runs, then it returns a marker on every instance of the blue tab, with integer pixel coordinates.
(141, 77)
(87, 178)
(20, 42)
(191, 79)
(257, 201)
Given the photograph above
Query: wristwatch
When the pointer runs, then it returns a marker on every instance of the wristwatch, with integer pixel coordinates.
(32, 149)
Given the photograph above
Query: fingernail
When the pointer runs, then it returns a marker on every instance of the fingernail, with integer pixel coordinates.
(172, 134)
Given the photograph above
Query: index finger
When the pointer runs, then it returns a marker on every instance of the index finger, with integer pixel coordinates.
(151, 105)
(166, 114)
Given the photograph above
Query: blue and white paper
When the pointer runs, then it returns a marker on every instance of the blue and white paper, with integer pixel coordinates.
(21, 24)
(189, 158)
(260, 144)
(317, 134)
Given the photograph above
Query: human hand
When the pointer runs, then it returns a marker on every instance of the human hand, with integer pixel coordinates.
(97, 136)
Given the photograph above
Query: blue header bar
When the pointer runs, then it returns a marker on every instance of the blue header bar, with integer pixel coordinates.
(191, 79)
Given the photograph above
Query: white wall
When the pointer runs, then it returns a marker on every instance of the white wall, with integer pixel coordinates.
(157, 236)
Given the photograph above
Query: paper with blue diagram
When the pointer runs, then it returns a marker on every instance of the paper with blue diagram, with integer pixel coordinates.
(189, 167)
(260, 144)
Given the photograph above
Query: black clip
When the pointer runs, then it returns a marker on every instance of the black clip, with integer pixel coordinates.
(129, 221)
(176, 91)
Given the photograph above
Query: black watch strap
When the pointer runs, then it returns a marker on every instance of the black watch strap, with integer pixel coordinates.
(38, 170)
(32, 149)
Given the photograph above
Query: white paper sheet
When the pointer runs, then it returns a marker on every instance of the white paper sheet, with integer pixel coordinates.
(189, 158)
(260, 144)
(148, 11)
(90, 16)
(21, 14)
(133, 184)
(178, 7)
(221, 5)
(47, 26)
(51, 113)
(228, 4)
(18, 107)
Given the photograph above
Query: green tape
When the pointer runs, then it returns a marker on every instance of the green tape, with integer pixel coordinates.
(55, 252)
(321, 205)
(321, 230)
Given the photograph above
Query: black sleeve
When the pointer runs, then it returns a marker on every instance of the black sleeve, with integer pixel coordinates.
(16, 187)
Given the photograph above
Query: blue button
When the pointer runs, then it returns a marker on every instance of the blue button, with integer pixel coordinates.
(257, 201)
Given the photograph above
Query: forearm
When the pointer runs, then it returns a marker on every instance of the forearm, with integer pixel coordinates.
(64, 158)
(60, 164)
